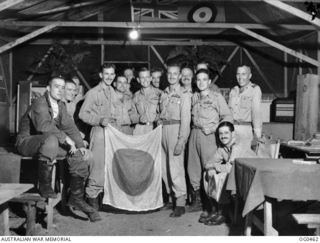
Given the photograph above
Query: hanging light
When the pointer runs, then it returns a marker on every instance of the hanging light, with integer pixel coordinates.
(134, 34)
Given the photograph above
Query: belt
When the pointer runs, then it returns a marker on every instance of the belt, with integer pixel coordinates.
(242, 123)
(147, 123)
(198, 127)
(169, 122)
(126, 125)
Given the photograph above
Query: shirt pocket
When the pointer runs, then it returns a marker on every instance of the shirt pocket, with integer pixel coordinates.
(245, 102)
(209, 110)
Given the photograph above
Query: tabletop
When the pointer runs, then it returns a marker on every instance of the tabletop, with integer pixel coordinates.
(255, 178)
(11, 190)
(311, 149)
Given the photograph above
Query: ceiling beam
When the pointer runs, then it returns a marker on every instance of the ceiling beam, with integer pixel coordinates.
(278, 46)
(154, 25)
(9, 3)
(295, 11)
(163, 42)
(27, 37)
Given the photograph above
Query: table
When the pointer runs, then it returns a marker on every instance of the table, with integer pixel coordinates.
(256, 179)
(312, 151)
(7, 192)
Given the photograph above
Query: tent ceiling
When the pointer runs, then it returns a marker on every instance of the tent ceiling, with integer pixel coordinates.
(26, 16)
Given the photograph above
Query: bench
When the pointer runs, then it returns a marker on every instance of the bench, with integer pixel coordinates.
(311, 220)
(10, 164)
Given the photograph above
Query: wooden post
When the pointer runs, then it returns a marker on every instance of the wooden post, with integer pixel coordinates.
(318, 71)
(101, 32)
(285, 75)
(307, 106)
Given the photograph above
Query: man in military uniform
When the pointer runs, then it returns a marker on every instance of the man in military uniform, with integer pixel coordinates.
(245, 102)
(146, 101)
(208, 109)
(223, 160)
(205, 65)
(47, 131)
(70, 94)
(123, 109)
(156, 74)
(133, 85)
(175, 106)
(187, 79)
(96, 111)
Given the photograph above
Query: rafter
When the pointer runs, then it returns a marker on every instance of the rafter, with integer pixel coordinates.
(9, 3)
(295, 11)
(27, 37)
(153, 25)
(278, 46)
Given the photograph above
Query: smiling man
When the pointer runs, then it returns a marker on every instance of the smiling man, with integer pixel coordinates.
(146, 101)
(187, 78)
(47, 132)
(175, 107)
(208, 109)
(245, 103)
(96, 111)
(222, 161)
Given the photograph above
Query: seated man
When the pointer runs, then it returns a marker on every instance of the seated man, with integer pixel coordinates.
(46, 132)
(222, 162)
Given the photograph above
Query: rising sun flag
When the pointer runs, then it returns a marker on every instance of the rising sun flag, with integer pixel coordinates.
(133, 170)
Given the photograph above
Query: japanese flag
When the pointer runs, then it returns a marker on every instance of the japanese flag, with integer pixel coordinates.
(133, 170)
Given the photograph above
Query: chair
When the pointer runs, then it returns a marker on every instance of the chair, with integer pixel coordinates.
(266, 149)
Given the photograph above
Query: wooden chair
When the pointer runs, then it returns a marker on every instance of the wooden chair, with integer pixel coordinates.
(10, 164)
(311, 220)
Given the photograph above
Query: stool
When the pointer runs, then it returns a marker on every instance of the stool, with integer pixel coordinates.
(311, 220)
(10, 173)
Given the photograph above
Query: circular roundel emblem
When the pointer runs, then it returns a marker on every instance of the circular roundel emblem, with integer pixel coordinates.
(133, 170)
(203, 13)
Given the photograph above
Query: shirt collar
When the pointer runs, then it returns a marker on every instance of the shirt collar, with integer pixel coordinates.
(175, 89)
(241, 89)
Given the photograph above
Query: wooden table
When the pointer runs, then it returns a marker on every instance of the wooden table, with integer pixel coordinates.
(257, 180)
(7, 192)
(312, 152)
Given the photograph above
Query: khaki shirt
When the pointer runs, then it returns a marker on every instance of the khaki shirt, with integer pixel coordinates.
(147, 104)
(245, 106)
(224, 156)
(214, 87)
(210, 110)
(123, 110)
(189, 89)
(176, 105)
(97, 104)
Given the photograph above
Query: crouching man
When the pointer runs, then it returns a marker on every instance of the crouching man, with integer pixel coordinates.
(230, 149)
(48, 132)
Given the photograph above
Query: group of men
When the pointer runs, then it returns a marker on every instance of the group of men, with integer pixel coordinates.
(190, 110)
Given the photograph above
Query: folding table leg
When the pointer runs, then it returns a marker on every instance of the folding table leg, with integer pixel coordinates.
(248, 224)
(268, 229)
(4, 215)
